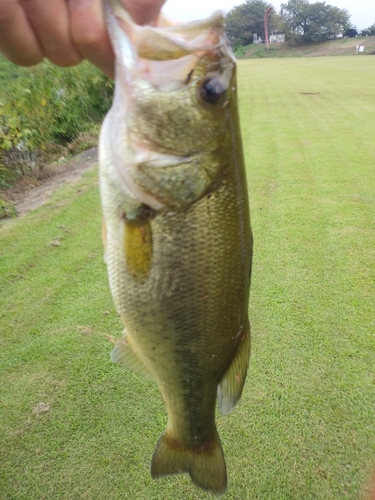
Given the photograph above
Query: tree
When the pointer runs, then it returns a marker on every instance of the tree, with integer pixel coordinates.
(313, 22)
(370, 31)
(244, 20)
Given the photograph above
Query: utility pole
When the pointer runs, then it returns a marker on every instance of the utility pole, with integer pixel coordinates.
(266, 27)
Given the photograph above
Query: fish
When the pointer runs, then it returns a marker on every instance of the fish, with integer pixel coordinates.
(176, 229)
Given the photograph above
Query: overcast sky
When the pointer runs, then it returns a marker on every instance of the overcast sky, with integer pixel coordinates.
(362, 11)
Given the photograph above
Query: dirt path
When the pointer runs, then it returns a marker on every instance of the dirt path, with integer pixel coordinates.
(30, 193)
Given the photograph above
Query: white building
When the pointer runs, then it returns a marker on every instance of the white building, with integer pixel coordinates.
(277, 37)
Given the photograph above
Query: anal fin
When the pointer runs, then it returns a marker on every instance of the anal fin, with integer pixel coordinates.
(231, 385)
(124, 355)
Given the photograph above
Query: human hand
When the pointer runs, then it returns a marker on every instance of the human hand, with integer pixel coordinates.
(64, 31)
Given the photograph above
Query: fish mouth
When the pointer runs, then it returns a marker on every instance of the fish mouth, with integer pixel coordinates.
(165, 54)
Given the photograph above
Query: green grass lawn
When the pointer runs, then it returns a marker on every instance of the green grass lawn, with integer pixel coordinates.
(305, 428)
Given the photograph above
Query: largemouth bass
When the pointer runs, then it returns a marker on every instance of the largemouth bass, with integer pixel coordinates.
(176, 229)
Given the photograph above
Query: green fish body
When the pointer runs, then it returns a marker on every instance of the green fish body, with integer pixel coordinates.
(177, 234)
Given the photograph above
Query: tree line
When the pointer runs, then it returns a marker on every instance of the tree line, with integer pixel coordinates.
(302, 21)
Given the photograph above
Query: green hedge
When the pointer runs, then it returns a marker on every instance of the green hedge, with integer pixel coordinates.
(44, 106)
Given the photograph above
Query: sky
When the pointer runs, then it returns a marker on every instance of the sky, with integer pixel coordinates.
(362, 11)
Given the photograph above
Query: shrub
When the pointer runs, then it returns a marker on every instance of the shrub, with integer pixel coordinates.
(45, 105)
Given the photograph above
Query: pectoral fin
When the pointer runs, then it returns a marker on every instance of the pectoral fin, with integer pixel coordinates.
(138, 247)
(124, 355)
(230, 388)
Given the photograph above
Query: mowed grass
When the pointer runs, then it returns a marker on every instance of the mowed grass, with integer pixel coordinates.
(305, 427)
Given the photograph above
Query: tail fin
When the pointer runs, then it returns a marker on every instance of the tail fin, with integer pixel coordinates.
(205, 464)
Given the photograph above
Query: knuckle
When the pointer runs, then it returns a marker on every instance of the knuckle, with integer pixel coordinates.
(87, 39)
(30, 61)
(6, 16)
(62, 53)
(65, 60)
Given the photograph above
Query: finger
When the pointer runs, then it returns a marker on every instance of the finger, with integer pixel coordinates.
(17, 40)
(143, 11)
(89, 33)
(50, 21)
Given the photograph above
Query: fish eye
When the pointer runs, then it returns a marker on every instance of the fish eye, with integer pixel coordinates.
(212, 90)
